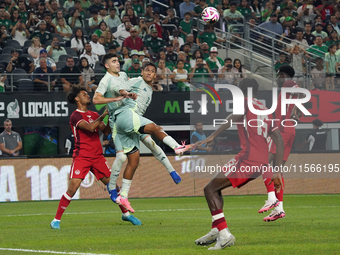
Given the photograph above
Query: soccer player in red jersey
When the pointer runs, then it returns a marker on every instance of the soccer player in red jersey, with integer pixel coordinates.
(285, 76)
(88, 152)
(254, 155)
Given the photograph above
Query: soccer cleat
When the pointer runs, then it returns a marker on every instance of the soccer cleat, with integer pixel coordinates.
(113, 193)
(132, 219)
(274, 215)
(55, 224)
(223, 243)
(269, 205)
(125, 203)
(209, 238)
(182, 148)
(175, 176)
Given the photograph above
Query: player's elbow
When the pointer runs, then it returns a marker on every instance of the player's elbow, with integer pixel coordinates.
(96, 99)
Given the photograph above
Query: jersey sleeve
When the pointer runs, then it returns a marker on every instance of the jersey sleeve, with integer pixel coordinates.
(75, 119)
(102, 87)
(272, 125)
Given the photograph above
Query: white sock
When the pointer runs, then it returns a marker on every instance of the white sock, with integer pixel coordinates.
(55, 219)
(280, 206)
(168, 140)
(225, 233)
(124, 192)
(271, 196)
(115, 169)
(158, 153)
(126, 214)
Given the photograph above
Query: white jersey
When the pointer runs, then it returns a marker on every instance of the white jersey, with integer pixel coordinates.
(109, 87)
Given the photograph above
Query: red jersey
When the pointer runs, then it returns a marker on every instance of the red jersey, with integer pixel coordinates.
(86, 143)
(253, 134)
(289, 108)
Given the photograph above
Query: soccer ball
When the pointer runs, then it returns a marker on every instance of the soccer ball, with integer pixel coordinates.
(210, 15)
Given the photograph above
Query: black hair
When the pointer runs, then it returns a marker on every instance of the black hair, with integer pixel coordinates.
(254, 7)
(94, 11)
(232, 3)
(112, 47)
(82, 36)
(317, 122)
(73, 93)
(112, 9)
(200, 58)
(194, 55)
(197, 121)
(226, 59)
(108, 57)
(331, 46)
(101, 24)
(81, 67)
(249, 83)
(180, 60)
(282, 54)
(239, 69)
(149, 64)
(187, 13)
(79, 17)
(288, 70)
(76, 1)
(318, 58)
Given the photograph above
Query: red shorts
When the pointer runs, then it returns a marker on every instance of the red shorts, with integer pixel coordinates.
(288, 139)
(240, 171)
(81, 167)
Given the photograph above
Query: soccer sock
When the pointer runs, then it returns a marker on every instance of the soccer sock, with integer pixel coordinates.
(280, 206)
(115, 169)
(280, 197)
(124, 211)
(158, 153)
(124, 192)
(220, 223)
(64, 202)
(168, 140)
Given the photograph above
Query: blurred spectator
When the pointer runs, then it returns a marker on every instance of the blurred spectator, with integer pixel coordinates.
(199, 8)
(102, 14)
(318, 74)
(256, 9)
(133, 42)
(97, 5)
(109, 40)
(204, 47)
(298, 61)
(299, 40)
(128, 62)
(171, 56)
(49, 61)
(157, 24)
(91, 57)
(97, 48)
(125, 54)
(185, 7)
(127, 6)
(328, 29)
(326, 9)
(244, 8)
(334, 22)
(200, 73)
(64, 30)
(187, 49)
(186, 25)
(333, 38)
(133, 16)
(146, 52)
(134, 70)
(318, 49)
(181, 56)
(190, 40)
(23, 13)
(41, 11)
(3, 77)
(181, 77)
(59, 15)
(198, 135)
(286, 37)
(282, 61)
(75, 19)
(113, 50)
(50, 26)
(137, 7)
(141, 56)
(168, 64)
(208, 36)
(68, 4)
(10, 141)
(77, 5)
(197, 53)
(121, 35)
(142, 29)
(308, 36)
(69, 144)
(20, 33)
(14, 19)
(40, 79)
(124, 19)
(70, 80)
(272, 25)
(94, 21)
(102, 27)
(35, 48)
(331, 66)
(232, 15)
(148, 12)
(225, 4)
(154, 43)
(43, 35)
(175, 36)
(87, 74)
(108, 144)
(55, 50)
(267, 12)
(307, 13)
(32, 22)
(214, 62)
(78, 41)
(19, 62)
(112, 20)
(52, 6)
(225, 72)
(318, 137)
(172, 19)
(239, 70)
(164, 76)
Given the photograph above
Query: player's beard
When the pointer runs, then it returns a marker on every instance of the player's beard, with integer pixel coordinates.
(89, 103)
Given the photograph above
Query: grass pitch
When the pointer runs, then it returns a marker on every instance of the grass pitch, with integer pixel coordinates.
(170, 226)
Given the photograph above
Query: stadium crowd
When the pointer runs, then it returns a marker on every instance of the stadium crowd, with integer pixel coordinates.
(67, 40)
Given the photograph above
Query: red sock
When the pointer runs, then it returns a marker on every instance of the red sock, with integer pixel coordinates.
(123, 209)
(279, 195)
(218, 220)
(64, 202)
(267, 177)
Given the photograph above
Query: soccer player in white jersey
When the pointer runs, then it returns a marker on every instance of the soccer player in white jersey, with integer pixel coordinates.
(107, 90)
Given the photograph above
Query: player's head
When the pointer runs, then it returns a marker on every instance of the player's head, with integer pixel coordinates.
(249, 83)
(149, 72)
(284, 73)
(198, 126)
(78, 95)
(317, 123)
(111, 63)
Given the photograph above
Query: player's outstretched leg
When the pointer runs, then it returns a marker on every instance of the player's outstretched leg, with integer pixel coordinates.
(161, 157)
(272, 200)
(278, 212)
(115, 170)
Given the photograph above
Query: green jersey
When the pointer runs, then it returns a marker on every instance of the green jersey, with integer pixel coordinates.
(278, 64)
(5, 22)
(186, 27)
(138, 8)
(207, 37)
(23, 16)
(44, 37)
(155, 44)
(214, 65)
(132, 73)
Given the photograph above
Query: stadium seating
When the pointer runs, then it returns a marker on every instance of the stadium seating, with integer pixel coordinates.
(13, 43)
(25, 85)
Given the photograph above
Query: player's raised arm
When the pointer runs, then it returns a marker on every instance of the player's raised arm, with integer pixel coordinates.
(277, 139)
(98, 98)
(231, 118)
(94, 124)
(106, 129)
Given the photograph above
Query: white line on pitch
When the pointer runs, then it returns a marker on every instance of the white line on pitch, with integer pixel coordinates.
(52, 252)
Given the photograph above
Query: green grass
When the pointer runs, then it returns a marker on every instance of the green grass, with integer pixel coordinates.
(171, 225)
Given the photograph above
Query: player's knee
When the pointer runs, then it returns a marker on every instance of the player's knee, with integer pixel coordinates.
(149, 143)
(121, 157)
(207, 190)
